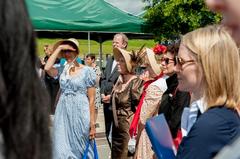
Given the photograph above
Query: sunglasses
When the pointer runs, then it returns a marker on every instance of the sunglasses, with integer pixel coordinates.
(167, 60)
(67, 51)
(181, 62)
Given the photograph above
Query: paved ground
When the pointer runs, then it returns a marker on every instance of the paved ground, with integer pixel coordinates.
(102, 145)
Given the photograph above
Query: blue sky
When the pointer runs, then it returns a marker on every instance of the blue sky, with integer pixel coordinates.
(131, 6)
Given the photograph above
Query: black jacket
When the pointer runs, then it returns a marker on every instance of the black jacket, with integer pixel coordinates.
(173, 103)
(108, 78)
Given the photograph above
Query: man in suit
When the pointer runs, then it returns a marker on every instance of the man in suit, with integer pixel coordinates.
(108, 80)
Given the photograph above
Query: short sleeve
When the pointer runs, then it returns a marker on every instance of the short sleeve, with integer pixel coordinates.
(90, 78)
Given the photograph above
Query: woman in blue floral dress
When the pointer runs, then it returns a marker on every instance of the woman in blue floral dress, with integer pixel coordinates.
(74, 117)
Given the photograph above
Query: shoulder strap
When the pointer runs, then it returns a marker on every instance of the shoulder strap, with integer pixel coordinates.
(86, 150)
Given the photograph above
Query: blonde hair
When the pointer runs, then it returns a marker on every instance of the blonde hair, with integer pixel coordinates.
(219, 59)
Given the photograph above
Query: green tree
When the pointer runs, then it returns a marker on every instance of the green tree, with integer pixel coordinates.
(169, 18)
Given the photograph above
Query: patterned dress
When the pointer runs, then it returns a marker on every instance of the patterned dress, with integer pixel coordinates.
(98, 95)
(149, 109)
(72, 116)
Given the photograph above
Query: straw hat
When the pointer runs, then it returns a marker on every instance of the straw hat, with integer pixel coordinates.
(156, 67)
(118, 53)
(73, 41)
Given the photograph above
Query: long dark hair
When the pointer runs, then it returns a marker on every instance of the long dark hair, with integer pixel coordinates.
(23, 104)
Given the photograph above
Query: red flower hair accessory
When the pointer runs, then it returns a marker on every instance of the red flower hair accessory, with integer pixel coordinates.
(160, 49)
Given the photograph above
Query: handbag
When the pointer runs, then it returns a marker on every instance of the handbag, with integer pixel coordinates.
(132, 145)
(94, 150)
(160, 136)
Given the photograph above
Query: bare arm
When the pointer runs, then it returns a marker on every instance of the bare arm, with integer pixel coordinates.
(53, 72)
(91, 97)
(97, 81)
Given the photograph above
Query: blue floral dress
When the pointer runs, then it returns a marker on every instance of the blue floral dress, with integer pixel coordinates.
(72, 116)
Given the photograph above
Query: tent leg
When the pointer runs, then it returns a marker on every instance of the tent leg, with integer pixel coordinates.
(89, 44)
(100, 52)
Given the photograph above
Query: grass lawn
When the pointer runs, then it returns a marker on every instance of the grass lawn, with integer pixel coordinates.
(107, 45)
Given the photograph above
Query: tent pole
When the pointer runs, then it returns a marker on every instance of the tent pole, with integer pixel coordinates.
(100, 52)
(89, 49)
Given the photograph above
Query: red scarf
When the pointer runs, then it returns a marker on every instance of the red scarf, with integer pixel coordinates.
(178, 139)
(134, 124)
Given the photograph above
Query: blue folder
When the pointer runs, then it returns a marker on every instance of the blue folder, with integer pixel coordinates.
(160, 137)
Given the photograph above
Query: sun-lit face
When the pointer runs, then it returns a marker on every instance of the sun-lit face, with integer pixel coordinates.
(121, 66)
(167, 63)
(47, 50)
(89, 61)
(231, 14)
(189, 73)
(118, 42)
(226, 7)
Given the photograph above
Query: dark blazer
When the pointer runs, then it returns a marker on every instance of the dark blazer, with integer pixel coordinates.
(214, 129)
(172, 104)
(108, 78)
(107, 82)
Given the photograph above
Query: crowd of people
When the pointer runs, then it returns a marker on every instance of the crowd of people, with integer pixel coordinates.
(192, 80)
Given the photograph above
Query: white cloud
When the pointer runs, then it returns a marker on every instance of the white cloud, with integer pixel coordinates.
(131, 6)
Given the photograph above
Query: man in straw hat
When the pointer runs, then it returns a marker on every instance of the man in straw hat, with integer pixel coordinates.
(108, 80)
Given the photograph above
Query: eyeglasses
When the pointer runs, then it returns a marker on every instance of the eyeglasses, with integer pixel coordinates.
(181, 62)
(167, 60)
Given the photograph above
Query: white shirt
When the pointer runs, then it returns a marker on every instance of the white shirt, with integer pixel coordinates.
(113, 65)
(189, 115)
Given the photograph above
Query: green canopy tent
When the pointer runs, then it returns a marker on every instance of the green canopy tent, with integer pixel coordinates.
(81, 15)
(82, 19)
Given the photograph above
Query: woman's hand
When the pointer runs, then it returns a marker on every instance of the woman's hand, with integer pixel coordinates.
(145, 76)
(106, 99)
(66, 47)
(92, 133)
